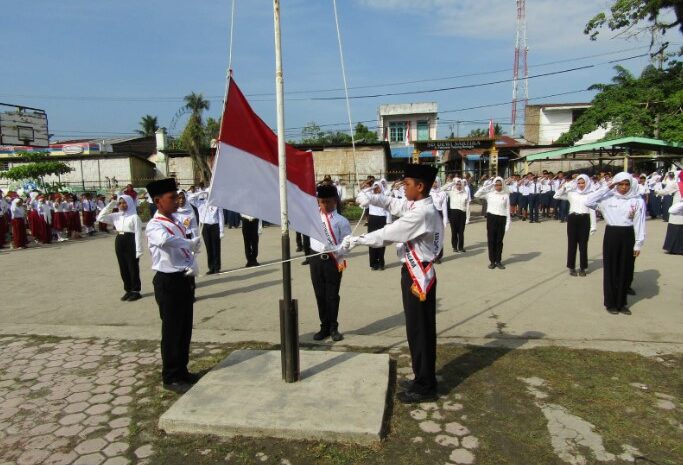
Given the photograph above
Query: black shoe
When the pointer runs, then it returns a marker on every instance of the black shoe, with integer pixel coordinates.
(455, 250)
(582, 273)
(305, 262)
(322, 334)
(179, 387)
(406, 384)
(613, 311)
(125, 296)
(625, 311)
(190, 378)
(134, 296)
(381, 267)
(572, 272)
(336, 335)
(463, 250)
(500, 266)
(373, 268)
(492, 266)
(411, 397)
(210, 272)
(630, 291)
(524, 218)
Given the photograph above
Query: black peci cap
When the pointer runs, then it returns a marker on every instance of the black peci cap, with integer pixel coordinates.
(423, 172)
(326, 191)
(161, 187)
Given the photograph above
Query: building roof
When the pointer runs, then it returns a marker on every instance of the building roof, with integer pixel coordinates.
(622, 144)
(561, 105)
(391, 109)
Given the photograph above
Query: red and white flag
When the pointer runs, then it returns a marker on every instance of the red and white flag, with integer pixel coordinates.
(407, 139)
(492, 130)
(245, 174)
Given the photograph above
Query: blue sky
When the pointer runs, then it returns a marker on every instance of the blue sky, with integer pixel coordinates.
(97, 66)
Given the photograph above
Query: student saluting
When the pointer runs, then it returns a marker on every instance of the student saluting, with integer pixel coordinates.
(419, 235)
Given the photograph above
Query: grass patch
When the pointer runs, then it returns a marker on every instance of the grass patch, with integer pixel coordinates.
(497, 409)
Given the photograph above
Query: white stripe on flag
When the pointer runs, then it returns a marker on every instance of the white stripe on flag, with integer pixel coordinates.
(247, 184)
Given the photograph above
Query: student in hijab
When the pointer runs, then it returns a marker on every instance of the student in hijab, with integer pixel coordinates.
(4, 223)
(41, 223)
(19, 239)
(624, 212)
(673, 243)
(186, 215)
(128, 244)
(581, 221)
(458, 213)
(497, 218)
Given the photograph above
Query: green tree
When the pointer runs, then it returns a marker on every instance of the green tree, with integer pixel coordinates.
(363, 134)
(148, 125)
(635, 16)
(212, 129)
(312, 134)
(648, 106)
(497, 130)
(39, 165)
(193, 137)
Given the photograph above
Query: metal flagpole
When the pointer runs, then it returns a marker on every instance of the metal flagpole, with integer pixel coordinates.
(289, 318)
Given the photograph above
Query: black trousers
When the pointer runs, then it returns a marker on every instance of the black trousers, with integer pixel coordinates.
(667, 201)
(376, 254)
(495, 232)
(212, 242)
(618, 263)
(304, 242)
(421, 333)
(129, 266)
(534, 201)
(578, 230)
(457, 219)
(250, 235)
(173, 294)
(326, 279)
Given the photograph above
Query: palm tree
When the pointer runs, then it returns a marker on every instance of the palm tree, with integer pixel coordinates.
(149, 125)
(194, 132)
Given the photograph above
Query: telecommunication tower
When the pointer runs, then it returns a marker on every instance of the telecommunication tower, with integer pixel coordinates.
(521, 51)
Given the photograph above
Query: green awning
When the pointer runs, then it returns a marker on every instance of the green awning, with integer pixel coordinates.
(624, 143)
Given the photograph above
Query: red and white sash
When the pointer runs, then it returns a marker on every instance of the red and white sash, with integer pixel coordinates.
(423, 277)
(180, 229)
(331, 238)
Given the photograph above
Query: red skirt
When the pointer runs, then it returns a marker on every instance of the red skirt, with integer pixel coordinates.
(41, 230)
(58, 221)
(89, 218)
(19, 233)
(32, 218)
(73, 222)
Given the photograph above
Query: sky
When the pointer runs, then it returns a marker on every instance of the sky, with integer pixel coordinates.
(97, 67)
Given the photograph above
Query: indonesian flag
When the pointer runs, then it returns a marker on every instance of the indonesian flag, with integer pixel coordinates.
(492, 130)
(245, 173)
(407, 133)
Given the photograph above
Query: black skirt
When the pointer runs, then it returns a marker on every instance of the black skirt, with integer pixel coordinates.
(617, 256)
(673, 242)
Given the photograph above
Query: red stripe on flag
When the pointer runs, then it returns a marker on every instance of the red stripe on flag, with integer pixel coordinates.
(242, 128)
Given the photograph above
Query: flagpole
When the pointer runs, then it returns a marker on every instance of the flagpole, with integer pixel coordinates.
(289, 318)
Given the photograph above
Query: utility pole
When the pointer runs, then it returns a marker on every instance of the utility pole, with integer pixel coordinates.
(521, 52)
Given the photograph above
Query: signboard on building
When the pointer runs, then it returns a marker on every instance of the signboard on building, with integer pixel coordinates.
(25, 127)
(454, 144)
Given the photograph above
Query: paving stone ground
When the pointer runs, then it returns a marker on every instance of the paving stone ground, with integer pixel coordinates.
(70, 401)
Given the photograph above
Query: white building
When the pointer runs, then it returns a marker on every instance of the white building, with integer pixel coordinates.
(544, 124)
(407, 122)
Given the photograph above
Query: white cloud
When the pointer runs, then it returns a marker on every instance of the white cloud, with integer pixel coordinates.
(552, 25)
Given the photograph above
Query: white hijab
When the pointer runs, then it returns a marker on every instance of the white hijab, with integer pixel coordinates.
(130, 203)
(502, 181)
(588, 188)
(633, 191)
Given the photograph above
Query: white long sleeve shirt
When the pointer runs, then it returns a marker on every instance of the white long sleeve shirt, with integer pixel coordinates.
(419, 223)
(340, 229)
(188, 219)
(171, 251)
(208, 214)
(497, 203)
(577, 202)
(620, 211)
(123, 224)
(17, 212)
(676, 210)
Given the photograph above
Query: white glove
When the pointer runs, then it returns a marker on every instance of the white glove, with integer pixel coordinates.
(592, 231)
(346, 243)
(362, 199)
(467, 221)
(220, 236)
(196, 243)
(507, 227)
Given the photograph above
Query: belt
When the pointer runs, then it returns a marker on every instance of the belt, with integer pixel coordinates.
(324, 256)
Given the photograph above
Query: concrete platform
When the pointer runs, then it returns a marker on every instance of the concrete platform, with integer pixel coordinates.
(341, 398)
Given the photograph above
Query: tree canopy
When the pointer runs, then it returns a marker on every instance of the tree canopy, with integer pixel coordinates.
(39, 165)
(635, 16)
(148, 125)
(497, 130)
(194, 136)
(650, 105)
(314, 135)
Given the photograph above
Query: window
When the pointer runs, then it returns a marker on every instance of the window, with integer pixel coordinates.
(423, 130)
(397, 132)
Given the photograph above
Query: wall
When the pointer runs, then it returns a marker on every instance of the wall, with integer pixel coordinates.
(554, 123)
(182, 168)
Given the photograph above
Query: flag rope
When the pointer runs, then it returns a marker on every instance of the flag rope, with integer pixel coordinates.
(280, 262)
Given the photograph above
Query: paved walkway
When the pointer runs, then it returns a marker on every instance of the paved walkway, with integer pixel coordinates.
(73, 289)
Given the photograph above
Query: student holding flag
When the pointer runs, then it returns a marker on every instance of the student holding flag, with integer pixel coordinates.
(419, 235)
(326, 269)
